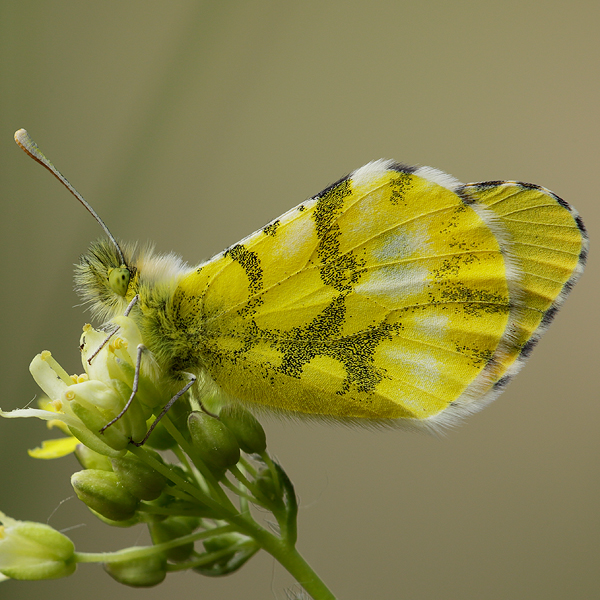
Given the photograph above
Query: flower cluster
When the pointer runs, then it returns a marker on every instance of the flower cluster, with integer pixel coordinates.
(197, 507)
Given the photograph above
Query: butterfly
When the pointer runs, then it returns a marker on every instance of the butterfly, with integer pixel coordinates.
(397, 295)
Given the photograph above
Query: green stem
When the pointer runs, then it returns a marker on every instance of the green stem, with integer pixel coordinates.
(267, 460)
(295, 564)
(209, 557)
(247, 466)
(287, 555)
(142, 551)
(242, 494)
(258, 497)
(223, 508)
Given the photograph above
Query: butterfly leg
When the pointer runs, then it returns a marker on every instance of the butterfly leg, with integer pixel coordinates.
(168, 405)
(136, 380)
(131, 305)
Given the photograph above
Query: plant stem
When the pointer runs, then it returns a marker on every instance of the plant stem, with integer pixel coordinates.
(295, 564)
(142, 551)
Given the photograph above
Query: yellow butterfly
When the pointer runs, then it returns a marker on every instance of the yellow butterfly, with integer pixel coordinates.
(397, 295)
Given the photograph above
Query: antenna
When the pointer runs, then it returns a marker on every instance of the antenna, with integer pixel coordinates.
(30, 147)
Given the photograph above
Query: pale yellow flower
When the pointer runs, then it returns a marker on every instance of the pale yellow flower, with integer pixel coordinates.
(82, 405)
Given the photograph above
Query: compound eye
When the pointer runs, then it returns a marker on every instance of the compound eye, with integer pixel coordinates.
(118, 279)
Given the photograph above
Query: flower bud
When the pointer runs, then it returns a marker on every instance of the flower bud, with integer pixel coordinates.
(148, 394)
(102, 492)
(229, 561)
(92, 440)
(138, 478)
(267, 485)
(181, 507)
(94, 420)
(247, 430)
(220, 542)
(216, 445)
(135, 417)
(34, 551)
(90, 459)
(139, 572)
(171, 529)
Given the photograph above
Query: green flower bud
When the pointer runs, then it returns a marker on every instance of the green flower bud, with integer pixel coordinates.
(182, 508)
(92, 440)
(138, 478)
(94, 420)
(136, 416)
(148, 394)
(247, 430)
(266, 484)
(171, 529)
(89, 459)
(34, 551)
(220, 542)
(103, 492)
(215, 444)
(192, 523)
(139, 572)
(229, 561)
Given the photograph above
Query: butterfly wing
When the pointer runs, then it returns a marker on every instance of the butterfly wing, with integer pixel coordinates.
(395, 294)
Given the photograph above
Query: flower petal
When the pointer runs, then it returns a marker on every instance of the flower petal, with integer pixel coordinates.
(46, 377)
(45, 415)
(55, 448)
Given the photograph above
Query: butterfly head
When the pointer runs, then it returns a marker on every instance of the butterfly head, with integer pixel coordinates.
(107, 278)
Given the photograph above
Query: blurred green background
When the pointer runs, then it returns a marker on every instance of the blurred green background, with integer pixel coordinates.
(193, 124)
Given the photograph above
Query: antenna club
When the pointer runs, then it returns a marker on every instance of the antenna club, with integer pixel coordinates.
(26, 144)
(21, 137)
